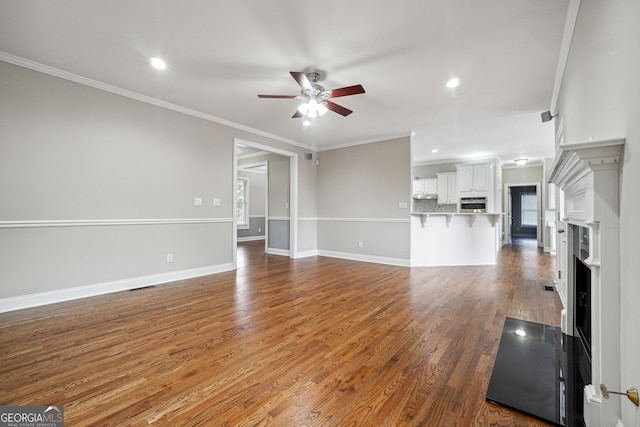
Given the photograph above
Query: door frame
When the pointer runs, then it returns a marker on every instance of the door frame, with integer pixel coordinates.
(506, 194)
(265, 164)
(293, 196)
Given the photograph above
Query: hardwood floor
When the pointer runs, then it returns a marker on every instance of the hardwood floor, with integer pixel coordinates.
(308, 342)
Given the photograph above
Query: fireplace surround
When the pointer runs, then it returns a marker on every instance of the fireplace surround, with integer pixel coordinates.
(582, 303)
(587, 175)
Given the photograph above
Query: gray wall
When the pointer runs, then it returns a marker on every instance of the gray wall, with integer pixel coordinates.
(359, 189)
(279, 203)
(69, 152)
(431, 171)
(522, 175)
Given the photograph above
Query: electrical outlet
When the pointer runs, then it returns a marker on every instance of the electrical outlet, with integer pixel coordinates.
(259, 230)
(359, 244)
(169, 257)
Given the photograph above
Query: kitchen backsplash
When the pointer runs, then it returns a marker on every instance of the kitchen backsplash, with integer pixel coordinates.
(431, 205)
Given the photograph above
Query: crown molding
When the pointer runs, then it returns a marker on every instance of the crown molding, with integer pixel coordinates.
(565, 47)
(367, 141)
(76, 78)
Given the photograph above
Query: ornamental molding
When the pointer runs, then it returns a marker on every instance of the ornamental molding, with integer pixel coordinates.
(574, 161)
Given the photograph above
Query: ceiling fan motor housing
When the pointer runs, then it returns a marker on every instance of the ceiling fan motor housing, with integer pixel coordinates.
(317, 92)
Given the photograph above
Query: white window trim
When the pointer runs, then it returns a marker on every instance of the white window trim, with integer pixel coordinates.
(522, 211)
(247, 217)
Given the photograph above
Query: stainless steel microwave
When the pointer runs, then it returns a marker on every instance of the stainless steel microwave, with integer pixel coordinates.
(473, 204)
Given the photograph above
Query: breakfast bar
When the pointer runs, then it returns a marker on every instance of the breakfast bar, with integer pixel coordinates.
(439, 239)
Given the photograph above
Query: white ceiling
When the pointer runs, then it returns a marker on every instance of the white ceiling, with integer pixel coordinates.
(221, 54)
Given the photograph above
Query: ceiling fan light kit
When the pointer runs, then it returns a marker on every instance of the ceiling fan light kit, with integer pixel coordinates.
(315, 97)
(313, 108)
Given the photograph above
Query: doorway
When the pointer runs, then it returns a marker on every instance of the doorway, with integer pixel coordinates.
(252, 198)
(281, 208)
(523, 220)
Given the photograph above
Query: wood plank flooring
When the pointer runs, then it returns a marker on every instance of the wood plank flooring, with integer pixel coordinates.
(308, 342)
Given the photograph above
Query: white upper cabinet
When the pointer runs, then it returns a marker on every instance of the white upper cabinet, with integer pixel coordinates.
(465, 178)
(481, 177)
(418, 186)
(425, 186)
(431, 186)
(447, 188)
(474, 178)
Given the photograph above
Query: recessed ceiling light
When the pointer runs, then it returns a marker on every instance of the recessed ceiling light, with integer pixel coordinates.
(434, 151)
(158, 63)
(521, 162)
(454, 82)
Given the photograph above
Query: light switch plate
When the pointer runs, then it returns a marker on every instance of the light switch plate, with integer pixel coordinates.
(197, 201)
(216, 202)
(403, 205)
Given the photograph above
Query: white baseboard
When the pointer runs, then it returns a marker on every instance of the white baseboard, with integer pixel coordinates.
(68, 294)
(366, 258)
(274, 251)
(250, 238)
(306, 254)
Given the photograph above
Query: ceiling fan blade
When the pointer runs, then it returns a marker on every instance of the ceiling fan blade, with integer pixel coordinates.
(338, 108)
(346, 91)
(278, 96)
(302, 80)
(297, 115)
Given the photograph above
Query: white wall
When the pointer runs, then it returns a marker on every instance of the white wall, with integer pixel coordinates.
(600, 99)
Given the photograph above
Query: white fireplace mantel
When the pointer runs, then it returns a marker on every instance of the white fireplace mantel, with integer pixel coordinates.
(575, 160)
(574, 170)
(588, 175)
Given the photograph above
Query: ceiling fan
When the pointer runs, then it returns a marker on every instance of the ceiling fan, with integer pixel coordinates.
(316, 98)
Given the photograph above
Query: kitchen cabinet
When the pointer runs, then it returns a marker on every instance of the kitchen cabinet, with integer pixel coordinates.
(425, 186)
(418, 186)
(474, 178)
(431, 186)
(447, 188)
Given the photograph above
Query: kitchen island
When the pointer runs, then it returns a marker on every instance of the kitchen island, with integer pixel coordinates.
(439, 238)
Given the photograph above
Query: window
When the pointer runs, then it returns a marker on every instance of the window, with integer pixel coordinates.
(529, 210)
(242, 203)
